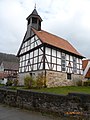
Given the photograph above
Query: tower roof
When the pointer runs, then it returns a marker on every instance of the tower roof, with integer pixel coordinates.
(34, 14)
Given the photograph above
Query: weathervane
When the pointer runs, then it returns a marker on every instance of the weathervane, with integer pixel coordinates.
(35, 6)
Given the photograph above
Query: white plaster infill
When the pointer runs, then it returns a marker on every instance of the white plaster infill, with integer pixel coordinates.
(87, 68)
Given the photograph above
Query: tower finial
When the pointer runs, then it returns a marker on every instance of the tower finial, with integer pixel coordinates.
(35, 6)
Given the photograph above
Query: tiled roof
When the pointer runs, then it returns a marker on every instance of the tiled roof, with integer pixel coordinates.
(3, 75)
(10, 65)
(84, 65)
(88, 74)
(56, 41)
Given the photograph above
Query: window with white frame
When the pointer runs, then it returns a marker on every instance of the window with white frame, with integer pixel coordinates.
(74, 64)
(63, 62)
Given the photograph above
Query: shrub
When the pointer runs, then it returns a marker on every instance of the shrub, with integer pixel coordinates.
(79, 83)
(86, 83)
(15, 82)
(29, 82)
(40, 81)
(9, 83)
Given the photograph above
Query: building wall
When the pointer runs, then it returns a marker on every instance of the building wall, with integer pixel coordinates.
(34, 75)
(21, 77)
(60, 61)
(55, 79)
(3, 81)
(31, 58)
(1, 67)
(34, 57)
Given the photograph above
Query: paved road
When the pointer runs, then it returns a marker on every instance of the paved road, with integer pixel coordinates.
(10, 113)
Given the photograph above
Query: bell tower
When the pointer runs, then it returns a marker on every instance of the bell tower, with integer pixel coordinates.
(33, 20)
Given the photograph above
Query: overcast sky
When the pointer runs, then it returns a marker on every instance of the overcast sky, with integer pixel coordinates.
(69, 19)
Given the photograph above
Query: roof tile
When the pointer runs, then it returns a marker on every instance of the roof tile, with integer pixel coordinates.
(56, 41)
(10, 65)
(84, 65)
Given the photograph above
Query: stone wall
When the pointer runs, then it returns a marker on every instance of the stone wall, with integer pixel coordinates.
(55, 79)
(72, 104)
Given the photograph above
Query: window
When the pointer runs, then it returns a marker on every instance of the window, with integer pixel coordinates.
(69, 76)
(31, 74)
(34, 20)
(74, 64)
(63, 62)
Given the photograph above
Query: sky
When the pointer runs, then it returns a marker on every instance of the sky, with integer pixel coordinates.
(69, 19)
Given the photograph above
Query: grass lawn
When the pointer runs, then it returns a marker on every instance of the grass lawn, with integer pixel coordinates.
(58, 90)
(1, 85)
(65, 90)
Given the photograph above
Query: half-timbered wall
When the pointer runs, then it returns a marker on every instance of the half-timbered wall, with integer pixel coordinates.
(60, 61)
(31, 57)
